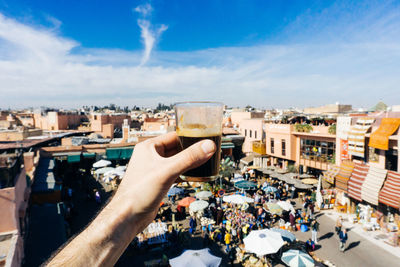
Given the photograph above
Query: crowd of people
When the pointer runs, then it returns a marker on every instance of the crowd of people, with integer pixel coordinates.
(230, 223)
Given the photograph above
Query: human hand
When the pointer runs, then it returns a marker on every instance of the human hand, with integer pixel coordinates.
(154, 166)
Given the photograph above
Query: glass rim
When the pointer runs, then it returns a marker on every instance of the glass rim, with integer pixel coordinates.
(199, 103)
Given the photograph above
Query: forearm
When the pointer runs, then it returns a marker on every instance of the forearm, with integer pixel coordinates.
(103, 242)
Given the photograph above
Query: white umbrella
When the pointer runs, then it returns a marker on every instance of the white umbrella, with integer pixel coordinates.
(104, 170)
(286, 205)
(101, 163)
(203, 194)
(263, 242)
(115, 172)
(196, 258)
(121, 168)
(237, 199)
(296, 258)
(198, 205)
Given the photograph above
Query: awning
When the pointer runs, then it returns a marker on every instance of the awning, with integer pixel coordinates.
(227, 145)
(119, 153)
(74, 158)
(341, 180)
(357, 136)
(247, 160)
(372, 184)
(343, 127)
(89, 155)
(390, 193)
(356, 180)
(380, 138)
(330, 174)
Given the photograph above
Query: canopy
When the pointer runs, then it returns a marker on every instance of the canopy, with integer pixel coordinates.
(203, 194)
(356, 180)
(309, 181)
(115, 172)
(186, 201)
(175, 191)
(297, 258)
(380, 138)
(247, 160)
(270, 189)
(198, 205)
(274, 208)
(196, 258)
(286, 235)
(237, 199)
(372, 184)
(263, 242)
(104, 170)
(286, 205)
(268, 171)
(121, 168)
(246, 185)
(343, 127)
(300, 185)
(306, 175)
(331, 173)
(390, 193)
(237, 179)
(101, 163)
(356, 136)
(341, 180)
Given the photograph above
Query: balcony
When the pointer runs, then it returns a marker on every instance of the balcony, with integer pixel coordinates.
(259, 147)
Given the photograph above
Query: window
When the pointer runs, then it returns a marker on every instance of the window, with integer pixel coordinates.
(245, 132)
(272, 145)
(283, 147)
(255, 134)
(320, 151)
(95, 117)
(250, 133)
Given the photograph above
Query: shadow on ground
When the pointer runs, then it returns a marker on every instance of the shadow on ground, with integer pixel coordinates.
(326, 236)
(353, 245)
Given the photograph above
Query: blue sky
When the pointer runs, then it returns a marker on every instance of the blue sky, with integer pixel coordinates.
(270, 54)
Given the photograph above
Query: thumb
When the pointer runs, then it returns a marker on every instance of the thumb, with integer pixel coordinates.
(192, 157)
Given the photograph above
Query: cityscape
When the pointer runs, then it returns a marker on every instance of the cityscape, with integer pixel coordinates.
(187, 143)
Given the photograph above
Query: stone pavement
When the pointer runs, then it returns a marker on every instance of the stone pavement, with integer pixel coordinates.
(360, 250)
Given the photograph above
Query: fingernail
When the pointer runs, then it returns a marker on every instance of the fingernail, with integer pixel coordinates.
(208, 146)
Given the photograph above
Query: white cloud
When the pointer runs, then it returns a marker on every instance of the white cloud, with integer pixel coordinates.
(145, 9)
(37, 68)
(149, 33)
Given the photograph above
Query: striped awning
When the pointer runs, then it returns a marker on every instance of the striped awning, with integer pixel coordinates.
(356, 180)
(357, 136)
(390, 193)
(373, 184)
(343, 127)
(380, 138)
(330, 174)
(346, 168)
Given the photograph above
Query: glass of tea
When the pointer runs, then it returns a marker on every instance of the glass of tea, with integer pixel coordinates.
(196, 121)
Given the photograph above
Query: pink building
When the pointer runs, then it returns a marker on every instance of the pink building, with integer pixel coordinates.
(237, 116)
(252, 130)
(13, 203)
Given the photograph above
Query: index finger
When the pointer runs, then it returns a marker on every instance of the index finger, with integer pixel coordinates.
(168, 141)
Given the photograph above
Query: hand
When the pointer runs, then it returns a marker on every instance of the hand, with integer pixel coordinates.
(154, 166)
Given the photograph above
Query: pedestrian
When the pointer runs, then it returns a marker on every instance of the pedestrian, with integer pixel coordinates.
(314, 231)
(292, 219)
(343, 238)
(206, 238)
(232, 256)
(228, 240)
(97, 196)
(193, 225)
(234, 234)
(293, 191)
(338, 226)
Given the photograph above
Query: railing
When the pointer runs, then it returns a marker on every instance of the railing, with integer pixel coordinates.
(259, 147)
